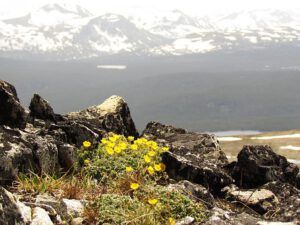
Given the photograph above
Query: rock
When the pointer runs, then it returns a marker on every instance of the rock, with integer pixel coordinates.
(193, 156)
(77, 133)
(45, 199)
(223, 217)
(11, 112)
(258, 165)
(23, 152)
(71, 208)
(113, 115)
(12, 211)
(77, 221)
(288, 209)
(45, 153)
(186, 221)
(41, 109)
(261, 200)
(66, 156)
(298, 181)
(195, 192)
(40, 217)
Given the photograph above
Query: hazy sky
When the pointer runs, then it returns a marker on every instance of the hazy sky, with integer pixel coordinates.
(13, 7)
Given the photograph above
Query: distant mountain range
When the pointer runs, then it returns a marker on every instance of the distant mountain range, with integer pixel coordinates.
(58, 31)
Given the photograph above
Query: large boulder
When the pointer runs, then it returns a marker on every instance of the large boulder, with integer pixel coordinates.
(11, 112)
(41, 109)
(23, 152)
(192, 156)
(259, 164)
(12, 211)
(112, 115)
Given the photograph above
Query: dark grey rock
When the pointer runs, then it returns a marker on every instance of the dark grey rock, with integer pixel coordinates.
(288, 209)
(11, 112)
(24, 152)
(192, 156)
(66, 156)
(41, 109)
(259, 164)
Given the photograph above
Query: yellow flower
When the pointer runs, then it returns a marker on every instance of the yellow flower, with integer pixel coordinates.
(122, 145)
(113, 139)
(110, 144)
(129, 169)
(130, 138)
(86, 162)
(117, 149)
(147, 158)
(104, 141)
(86, 144)
(163, 166)
(150, 170)
(152, 153)
(152, 201)
(134, 147)
(157, 167)
(154, 147)
(172, 221)
(134, 186)
(110, 151)
(165, 149)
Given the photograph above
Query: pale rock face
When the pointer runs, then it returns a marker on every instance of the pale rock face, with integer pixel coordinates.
(12, 211)
(113, 115)
(261, 200)
(71, 208)
(40, 217)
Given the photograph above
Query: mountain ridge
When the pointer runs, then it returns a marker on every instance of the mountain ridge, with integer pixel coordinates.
(72, 32)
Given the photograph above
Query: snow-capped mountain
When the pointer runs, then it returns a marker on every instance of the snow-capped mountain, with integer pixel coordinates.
(60, 31)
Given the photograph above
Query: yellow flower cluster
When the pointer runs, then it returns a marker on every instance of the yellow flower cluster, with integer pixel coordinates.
(115, 144)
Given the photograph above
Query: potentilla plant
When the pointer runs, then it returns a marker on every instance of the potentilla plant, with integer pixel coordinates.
(131, 169)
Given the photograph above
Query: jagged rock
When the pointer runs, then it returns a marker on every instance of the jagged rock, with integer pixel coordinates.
(223, 217)
(259, 164)
(193, 156)
(76, 133)
(40, 217)
(12, 211)
(71, 208)
(186, 221)
(41, 109)
(46, 199)
(66, 156)
(288, 209)
(23, 152)
(195, 192)
(112, 115)
(11, 112)
(261, 200)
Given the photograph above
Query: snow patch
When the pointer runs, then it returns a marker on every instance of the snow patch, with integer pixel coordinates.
(276, 137)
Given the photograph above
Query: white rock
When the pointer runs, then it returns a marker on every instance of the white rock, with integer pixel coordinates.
(71, 208)
(186, 221)
(40, 217)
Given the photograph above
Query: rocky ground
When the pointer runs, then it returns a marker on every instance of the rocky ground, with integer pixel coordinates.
(260, 187)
